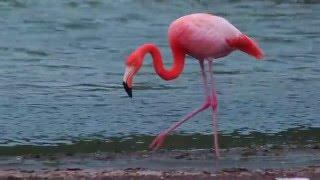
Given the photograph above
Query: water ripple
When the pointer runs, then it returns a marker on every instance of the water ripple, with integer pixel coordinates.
(61, 71)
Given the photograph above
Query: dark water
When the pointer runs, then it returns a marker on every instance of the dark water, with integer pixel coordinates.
(61, 67)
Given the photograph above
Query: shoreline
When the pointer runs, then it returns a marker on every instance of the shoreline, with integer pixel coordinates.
(259, 163)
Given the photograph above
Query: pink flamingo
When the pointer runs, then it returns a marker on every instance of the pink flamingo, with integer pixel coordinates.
(203, 36)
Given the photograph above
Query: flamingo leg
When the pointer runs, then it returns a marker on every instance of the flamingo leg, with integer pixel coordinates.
(157, 142)
(214, 106)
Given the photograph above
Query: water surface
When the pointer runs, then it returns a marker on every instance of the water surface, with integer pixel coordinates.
(61, 67)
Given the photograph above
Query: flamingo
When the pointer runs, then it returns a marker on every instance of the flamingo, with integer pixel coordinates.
(205, 37)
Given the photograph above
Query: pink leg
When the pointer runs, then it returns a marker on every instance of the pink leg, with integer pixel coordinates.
(214, 105)
(157, 142)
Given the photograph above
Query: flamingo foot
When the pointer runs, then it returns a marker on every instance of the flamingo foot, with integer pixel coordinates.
(158, 141)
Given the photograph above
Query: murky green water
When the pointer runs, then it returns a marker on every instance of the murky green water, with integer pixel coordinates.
(61, 65)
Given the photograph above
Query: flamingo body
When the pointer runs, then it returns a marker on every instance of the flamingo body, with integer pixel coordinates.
(204, 37)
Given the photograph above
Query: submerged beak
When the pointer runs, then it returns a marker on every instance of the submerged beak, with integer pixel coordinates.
(127, 88)
(127, 80)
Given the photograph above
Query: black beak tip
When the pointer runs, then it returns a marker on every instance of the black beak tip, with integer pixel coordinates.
(127, 88)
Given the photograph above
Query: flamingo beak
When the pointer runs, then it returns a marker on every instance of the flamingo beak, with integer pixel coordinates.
(127, 88)
(127, 80)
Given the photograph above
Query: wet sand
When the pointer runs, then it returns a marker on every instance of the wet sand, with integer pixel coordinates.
(236, 163)
(240, 174)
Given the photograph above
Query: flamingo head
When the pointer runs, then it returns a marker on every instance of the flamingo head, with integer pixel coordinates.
(133, 64)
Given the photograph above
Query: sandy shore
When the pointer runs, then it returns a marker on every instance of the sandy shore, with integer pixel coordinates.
(239, 174)
(237, 163)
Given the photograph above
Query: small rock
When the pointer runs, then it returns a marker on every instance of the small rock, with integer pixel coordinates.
(74, 169)
(235, 170)
(181, 156)
(133, 169)
(206, 172)
(27, 171)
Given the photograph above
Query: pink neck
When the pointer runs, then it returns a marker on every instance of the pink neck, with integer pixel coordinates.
(166, 74)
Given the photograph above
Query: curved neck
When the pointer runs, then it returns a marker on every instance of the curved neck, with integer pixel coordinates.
(166, 74)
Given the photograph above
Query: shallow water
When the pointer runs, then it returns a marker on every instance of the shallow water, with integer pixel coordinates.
(61, 67)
